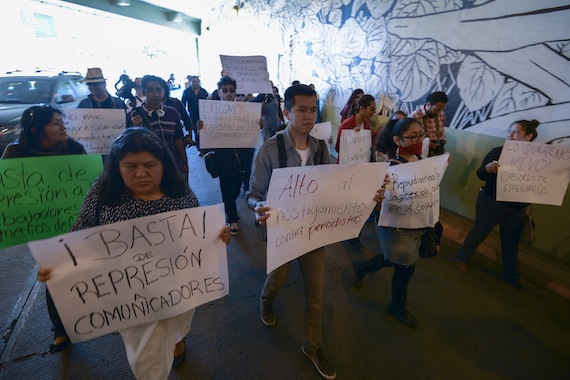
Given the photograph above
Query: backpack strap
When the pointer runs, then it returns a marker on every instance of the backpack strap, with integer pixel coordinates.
(282, 155)
(320, 154)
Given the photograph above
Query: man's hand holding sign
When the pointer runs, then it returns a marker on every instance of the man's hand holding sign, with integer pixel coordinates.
(313, 206)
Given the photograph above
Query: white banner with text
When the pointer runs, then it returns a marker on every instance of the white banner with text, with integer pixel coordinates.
(411, 199)
(229, 124)
(124, 274)
(95, 128)
(533, 173)
(313, 206)
(354, 146)
(249, 72)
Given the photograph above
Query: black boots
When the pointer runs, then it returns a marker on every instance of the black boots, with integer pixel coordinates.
(361, 269)
(400, 281)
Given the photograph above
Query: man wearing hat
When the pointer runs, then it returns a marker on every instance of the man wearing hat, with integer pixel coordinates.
(99, 97)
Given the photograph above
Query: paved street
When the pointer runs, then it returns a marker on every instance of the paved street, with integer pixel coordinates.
(471, 326)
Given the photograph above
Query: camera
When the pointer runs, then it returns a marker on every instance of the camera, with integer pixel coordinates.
(440, 142)
(126, 90)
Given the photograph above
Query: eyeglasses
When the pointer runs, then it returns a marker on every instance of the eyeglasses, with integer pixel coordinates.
(414, 138)
(95, 84)
(230, 90)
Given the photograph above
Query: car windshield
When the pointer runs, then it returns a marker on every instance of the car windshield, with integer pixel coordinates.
(25, 91)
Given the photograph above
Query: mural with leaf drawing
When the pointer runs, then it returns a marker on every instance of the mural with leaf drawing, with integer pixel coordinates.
(498, 60)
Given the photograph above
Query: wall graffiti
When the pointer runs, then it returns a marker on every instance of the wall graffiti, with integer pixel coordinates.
(498, 60)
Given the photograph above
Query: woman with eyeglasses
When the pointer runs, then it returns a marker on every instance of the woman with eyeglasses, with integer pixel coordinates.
(43, 134)
(235, 163)
(399, 246)
(490, 212)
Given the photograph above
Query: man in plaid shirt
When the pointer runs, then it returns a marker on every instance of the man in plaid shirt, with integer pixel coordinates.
(432, 118)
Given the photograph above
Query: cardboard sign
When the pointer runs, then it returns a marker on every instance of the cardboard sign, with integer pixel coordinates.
(124, 274)
(322, 131)
(249, 72)
(41, 197)
(533, 173)
(354, 146)
(313, 206)
(411, 199)
(95, 128)
(229, 124)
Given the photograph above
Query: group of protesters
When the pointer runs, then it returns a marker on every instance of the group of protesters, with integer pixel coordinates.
(146, 173)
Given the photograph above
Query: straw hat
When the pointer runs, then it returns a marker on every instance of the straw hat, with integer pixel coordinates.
(94, 75)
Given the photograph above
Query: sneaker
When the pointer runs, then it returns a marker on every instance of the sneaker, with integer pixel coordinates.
(403, 316)
(520, 283)
(358, 275)
(266, 313)
(322, 364)
(461, 266)
(234, 229)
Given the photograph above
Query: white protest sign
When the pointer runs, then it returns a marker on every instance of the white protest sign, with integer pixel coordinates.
(124, 274)
(249, 72)
(322, 131)
(95, 128)
(313, 206)
(229, 124)
(411, 199)
(533, 173)
(354, 146)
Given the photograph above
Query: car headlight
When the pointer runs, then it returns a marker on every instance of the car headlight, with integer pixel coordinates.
(9, 131)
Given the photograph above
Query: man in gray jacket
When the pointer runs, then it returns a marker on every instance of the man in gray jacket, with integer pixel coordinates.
(300, 149)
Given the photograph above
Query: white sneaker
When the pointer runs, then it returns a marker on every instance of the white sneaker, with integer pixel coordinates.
(234, 229)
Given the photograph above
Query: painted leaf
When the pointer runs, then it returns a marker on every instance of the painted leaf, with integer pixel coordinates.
(378, 8)
(414, 75)
(413, 8)
(375, 37)
(514, 97)
(478, 83)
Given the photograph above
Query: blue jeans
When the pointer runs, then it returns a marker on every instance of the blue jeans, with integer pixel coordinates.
(399, 245)
(57, 324)
(312, 266)
(489, 213)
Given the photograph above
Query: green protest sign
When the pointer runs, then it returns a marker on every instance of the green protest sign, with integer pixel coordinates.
(40, 197)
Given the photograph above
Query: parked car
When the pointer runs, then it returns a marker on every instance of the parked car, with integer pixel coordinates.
(20, 90)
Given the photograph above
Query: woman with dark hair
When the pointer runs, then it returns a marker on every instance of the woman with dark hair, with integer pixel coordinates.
(348, 107)
(364, 109)
(490, 212)
(399, 246)
(43, 134)
(141, 179)
(387, 149)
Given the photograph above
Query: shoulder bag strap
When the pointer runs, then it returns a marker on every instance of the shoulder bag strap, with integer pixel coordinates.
(282, 156)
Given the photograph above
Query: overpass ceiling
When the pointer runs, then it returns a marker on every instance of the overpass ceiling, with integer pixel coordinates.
(183, 15)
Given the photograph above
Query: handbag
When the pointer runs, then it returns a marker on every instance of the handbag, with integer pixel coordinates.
(528, 234)
(428, 247)
(212, 162)
(431, 240)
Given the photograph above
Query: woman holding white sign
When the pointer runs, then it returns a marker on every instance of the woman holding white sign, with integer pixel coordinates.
(44, 134)
(365, 109)
(141, 179)
(399, 246)
(489, 212)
